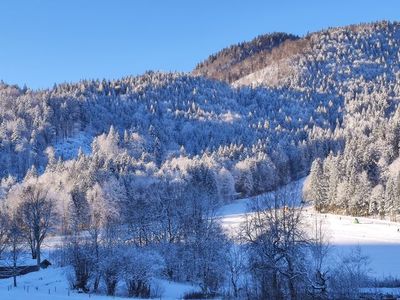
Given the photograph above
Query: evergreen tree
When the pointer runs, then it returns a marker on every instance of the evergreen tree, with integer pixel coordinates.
(318, 186)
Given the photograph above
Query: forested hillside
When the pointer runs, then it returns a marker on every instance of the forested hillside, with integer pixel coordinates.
(163, 119)
(239, 60)
(358, 64)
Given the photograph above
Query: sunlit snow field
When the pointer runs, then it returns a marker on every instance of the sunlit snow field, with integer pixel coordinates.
(51, 283)
(378, 239)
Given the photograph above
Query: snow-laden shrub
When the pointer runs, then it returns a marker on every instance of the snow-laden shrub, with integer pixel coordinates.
(109, 267)
(80, 259)
(138, 268)
(350, 275)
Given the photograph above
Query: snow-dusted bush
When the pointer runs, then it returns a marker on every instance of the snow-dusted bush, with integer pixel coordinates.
(110, 268)
(138, 267)
(81, 261)
(350, 275)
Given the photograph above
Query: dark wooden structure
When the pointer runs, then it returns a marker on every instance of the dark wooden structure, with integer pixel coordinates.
(7, 272)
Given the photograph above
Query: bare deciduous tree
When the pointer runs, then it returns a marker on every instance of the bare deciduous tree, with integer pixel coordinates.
(276, 241)
(4, 220)
(350, 275)
(36, 215)
(236, 268)
(319, 248)
(15, 246)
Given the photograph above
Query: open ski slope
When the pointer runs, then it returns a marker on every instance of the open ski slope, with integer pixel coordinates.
(379, 239)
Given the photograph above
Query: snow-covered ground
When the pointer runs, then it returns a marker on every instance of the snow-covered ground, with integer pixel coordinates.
(51, 283)
(379, 239)
(45, 284)
(69, 147)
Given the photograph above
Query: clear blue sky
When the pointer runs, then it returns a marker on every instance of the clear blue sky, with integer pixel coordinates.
(53, 41)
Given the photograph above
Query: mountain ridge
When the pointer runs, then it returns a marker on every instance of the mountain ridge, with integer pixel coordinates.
(285, 51)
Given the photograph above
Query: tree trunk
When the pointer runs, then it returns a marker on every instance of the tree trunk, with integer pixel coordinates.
(33, 250)
(96, 283)
(15, 264)
(275, 288)
(292, 288)
(234, 286)
(38, 254)
(97, 276)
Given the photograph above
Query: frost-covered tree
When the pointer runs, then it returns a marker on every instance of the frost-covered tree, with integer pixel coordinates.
(15, 246)
(226, 185)
(318, 188)
(4, 227)
(36, 214)
(138, 268)
(277, 247)
(359, 204)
